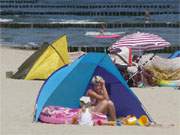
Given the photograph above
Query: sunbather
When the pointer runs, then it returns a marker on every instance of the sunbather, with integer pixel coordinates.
(100, 99)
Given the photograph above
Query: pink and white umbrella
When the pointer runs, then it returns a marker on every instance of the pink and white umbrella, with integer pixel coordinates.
(141, 42)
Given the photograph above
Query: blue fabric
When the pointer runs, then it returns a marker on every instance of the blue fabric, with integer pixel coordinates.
(67, 85)
(55, 82)
(174, 55)
(51, 84)
(68, 94)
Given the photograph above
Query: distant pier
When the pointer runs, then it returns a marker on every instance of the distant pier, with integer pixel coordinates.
(115, 13)
(170, 49)
(105, 49)
(90, 25)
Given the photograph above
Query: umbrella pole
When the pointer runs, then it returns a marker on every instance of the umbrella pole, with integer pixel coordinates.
(142, 78)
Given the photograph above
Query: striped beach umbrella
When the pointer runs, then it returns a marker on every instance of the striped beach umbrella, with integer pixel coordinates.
(141, 42)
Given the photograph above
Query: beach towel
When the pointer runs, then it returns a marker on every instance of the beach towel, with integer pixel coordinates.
(162, 68)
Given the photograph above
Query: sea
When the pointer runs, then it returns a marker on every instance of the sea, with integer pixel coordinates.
(82, 37)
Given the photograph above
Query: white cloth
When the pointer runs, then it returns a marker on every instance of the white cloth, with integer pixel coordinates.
(86, 118)
(160, 63)
(132, 69)
(124, 53)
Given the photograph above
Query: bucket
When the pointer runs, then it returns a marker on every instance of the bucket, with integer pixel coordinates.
(132, 120)
(143, 120)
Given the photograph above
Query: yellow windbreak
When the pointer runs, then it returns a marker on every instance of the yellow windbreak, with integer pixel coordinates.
(54, 57)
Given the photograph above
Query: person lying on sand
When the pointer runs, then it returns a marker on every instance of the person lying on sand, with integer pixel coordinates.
(100, 100)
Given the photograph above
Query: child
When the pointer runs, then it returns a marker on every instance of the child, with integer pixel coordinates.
(85, 113)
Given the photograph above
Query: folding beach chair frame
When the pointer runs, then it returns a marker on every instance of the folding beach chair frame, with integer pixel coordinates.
(141, 66)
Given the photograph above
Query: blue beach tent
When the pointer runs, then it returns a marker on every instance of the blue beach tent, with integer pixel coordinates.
(66, 85)
(174, 55)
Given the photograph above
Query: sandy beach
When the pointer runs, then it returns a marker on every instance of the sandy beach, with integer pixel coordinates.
(18, 99)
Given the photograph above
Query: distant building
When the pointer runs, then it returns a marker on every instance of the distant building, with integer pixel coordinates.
(89, 7)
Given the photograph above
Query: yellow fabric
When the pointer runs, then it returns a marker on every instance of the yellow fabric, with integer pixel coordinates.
(54, 57)
(159, 75)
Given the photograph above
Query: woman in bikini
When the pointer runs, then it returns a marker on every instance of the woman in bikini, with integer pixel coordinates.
(100, 99)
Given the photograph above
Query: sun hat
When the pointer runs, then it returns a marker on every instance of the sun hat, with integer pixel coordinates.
(85, 99)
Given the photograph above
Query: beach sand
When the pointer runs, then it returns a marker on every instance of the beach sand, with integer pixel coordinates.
(18, 98)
